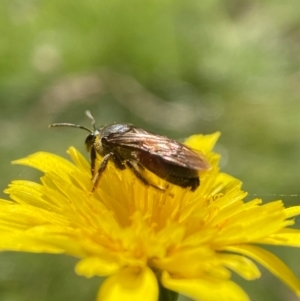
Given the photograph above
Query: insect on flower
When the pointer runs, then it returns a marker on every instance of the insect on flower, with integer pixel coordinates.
(131, 147)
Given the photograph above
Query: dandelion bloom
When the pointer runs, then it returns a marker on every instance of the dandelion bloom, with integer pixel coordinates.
(148, 243)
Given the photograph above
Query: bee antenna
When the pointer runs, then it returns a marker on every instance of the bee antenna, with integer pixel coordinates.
(70, 125)
(89, 115)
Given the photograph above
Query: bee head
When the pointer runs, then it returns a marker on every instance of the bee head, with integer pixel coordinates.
(91, 139)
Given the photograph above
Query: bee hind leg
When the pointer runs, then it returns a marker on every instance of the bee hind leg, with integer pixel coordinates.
(137, 170)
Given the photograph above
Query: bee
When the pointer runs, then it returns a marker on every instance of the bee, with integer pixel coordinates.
(134, 148)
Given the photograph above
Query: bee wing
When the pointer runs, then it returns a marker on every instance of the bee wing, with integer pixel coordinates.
(160, 146)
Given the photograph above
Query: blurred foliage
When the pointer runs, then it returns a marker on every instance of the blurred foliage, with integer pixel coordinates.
(173, 67)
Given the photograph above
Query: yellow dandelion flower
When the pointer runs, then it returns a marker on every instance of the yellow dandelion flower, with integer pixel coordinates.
(145, 242)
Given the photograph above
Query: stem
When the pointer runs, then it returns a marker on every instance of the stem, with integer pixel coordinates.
(166, 294)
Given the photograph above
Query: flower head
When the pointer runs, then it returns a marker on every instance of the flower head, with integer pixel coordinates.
(144, 240)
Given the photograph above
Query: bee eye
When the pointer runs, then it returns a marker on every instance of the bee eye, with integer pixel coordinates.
(89, 141)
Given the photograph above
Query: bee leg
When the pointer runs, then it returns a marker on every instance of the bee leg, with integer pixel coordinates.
(118, 162)
(93, 161)
(101, 169)
(136, 169)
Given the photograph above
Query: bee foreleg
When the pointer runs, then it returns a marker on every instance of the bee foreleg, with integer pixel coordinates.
(93, 161)
(101, 169)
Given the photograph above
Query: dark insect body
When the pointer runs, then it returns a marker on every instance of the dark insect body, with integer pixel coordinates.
(139, 150)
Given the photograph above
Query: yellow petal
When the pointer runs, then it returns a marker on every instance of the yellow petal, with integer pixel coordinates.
(47, 162)
(241, 265)
(292, 211)
(79, 159)
(132, 284)
(285, 237)
(22, 243)
(26, 192)
(205, 289)
(96, 266)
(271, 262)
(203, 142)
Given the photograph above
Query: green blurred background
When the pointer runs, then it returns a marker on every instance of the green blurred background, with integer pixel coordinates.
(173, 67)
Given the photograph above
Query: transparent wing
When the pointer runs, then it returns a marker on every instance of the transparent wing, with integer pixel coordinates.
(166, 149)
